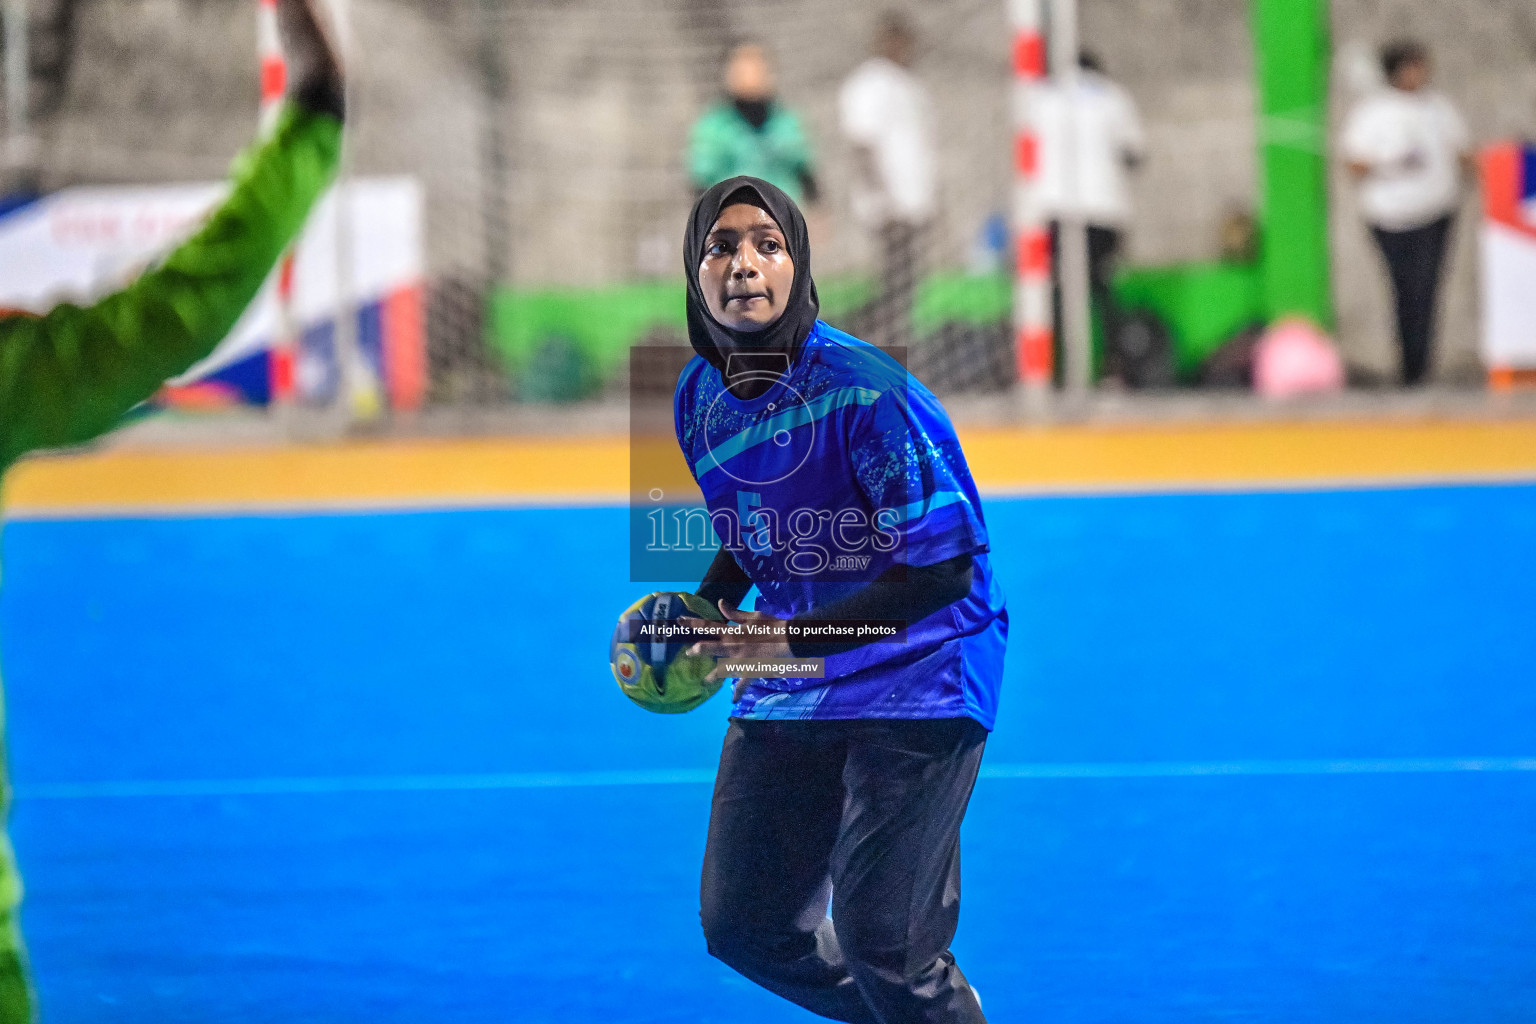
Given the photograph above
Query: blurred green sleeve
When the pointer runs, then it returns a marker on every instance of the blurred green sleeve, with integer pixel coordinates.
(70, 375)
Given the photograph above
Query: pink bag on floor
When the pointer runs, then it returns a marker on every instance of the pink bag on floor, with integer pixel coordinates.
(1294, 358)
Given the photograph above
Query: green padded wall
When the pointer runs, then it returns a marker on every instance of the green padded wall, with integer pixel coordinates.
(1291, 56)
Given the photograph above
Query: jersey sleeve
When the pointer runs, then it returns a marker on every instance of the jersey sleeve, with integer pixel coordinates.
(70, 375)
(682, 403)
(910, 468)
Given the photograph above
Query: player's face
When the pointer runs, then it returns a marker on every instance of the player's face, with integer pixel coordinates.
(1412, 76)
(897, 47)
(746, 272)
(748, 75)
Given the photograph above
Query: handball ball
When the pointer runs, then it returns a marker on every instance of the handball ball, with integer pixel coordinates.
(656, 674)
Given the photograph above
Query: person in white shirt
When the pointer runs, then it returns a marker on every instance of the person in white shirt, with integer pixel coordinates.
(887, 116)
(1408, 148)
(1090, 141)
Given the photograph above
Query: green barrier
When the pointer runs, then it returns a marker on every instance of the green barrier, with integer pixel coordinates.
(957, 297)
(1203, 304)
(563, 343)
(601, 323)
(1291, 50)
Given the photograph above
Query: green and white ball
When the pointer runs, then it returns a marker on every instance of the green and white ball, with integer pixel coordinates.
(656, 674)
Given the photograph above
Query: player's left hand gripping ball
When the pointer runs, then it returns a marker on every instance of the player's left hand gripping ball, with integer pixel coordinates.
(655, 673)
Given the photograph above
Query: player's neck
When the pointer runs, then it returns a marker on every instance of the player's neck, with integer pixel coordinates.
(752, 387)
(750, 372)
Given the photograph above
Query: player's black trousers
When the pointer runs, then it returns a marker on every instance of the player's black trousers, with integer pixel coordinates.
(1414, 259)
(867, 813)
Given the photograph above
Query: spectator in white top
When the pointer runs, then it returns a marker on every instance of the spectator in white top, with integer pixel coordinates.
(886, 115)
(1089, 142)
(1408, 148)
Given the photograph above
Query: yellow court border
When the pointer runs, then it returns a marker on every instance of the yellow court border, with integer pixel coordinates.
(494, 472)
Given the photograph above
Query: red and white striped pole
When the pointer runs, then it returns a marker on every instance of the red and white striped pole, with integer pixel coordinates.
(1032, 241)
(274, 84)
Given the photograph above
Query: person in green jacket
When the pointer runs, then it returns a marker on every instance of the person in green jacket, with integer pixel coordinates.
(750, 132)
(70, 375)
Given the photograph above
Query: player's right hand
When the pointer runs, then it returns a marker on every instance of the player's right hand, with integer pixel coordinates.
(772, 644)
(315, 76)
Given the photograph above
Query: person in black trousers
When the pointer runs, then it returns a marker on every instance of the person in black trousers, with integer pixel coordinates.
(844, 781)
(864, 813)
(1407, 147)
(1414, 258)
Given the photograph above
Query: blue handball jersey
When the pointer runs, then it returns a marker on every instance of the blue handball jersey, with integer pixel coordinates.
(844, 467)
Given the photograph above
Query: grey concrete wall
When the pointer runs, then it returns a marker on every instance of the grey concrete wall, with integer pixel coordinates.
(1189, 66)
(602, 92)
(158, 90)
(166, 90)
(606, 90)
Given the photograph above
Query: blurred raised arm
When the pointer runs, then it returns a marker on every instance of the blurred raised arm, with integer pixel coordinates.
(70, 375)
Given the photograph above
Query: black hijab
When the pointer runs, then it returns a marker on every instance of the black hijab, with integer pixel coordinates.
(788, 332)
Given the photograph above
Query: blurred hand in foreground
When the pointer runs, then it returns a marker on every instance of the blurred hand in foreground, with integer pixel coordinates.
(315, 76)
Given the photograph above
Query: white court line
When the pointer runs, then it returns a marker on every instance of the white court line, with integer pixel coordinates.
(698, 776)
(1185, 769)
(359, 784)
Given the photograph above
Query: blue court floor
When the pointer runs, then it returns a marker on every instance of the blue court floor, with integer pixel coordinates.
(1263, 757)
